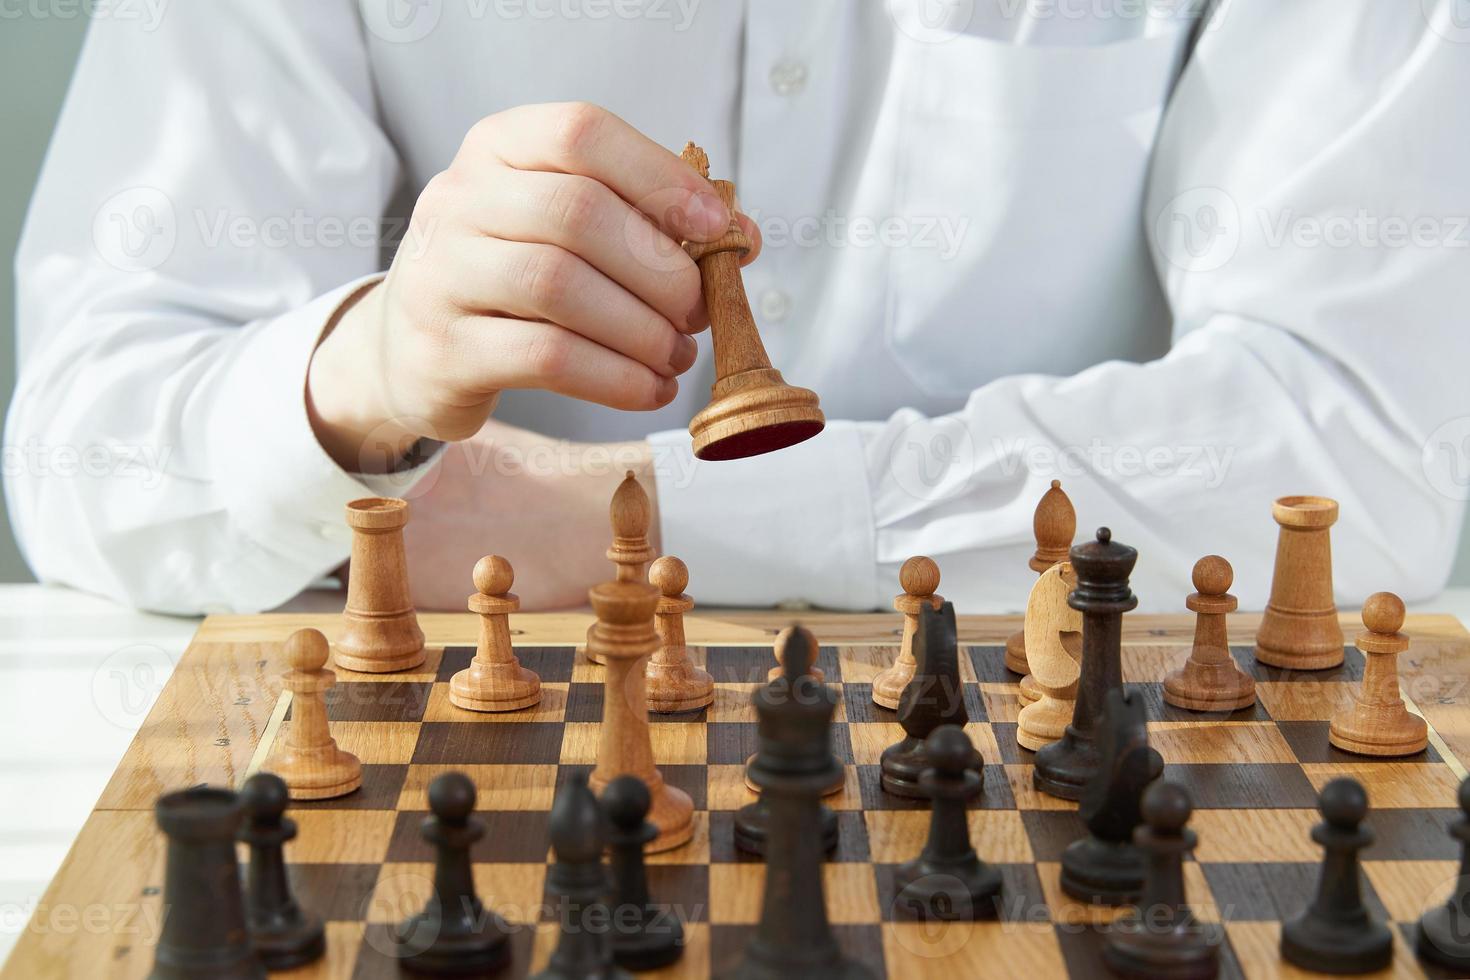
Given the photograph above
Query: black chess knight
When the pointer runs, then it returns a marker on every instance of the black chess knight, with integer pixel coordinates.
(934, 697)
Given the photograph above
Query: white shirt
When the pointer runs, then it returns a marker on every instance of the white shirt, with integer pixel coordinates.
(1006, 242)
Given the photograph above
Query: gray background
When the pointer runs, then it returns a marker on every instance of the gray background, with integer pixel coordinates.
(36, 58)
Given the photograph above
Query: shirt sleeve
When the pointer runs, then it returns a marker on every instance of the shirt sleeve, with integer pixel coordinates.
(213, 192)
(1306, 215)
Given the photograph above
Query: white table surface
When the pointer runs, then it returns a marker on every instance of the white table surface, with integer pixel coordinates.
(78, 675)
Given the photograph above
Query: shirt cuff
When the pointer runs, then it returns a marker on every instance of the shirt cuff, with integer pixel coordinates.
(794, 526)
(278, 482)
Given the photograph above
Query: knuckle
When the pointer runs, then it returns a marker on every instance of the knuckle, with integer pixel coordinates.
(548, 355)
(578, 126)
(546, 276)
(574, 203)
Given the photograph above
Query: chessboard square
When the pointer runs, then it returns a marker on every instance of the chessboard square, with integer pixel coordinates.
(737, 890)
(1011, 751)
(726, 787)
(513, 891)
(552, 664)
(395, 700)
(1066, 910)
(1257, 946)
(861, 664)
(1304, 700)
(988, 665)
(1149, 663)
(341, 836)
(343, 942)
(858, 705)
(1023, 789)
(381, 785)
(472, 742)
(829, 662)
(1002, 702)
(742, 664)
(336, 892)
(502, 787)
(454, 660)
(678, 744)
(512, 836)
(1269, 891)
(1182, 743)
(1083, 946)
(551, 708)
(373, 742)
(869, 739)
(1412, 834)
(1050, 831)
(585, 671)
(999, 836)
(1255, 835)
(1409, 888)
(1311, 742)
(858, 943)
(924, 950)
(1392, 783)
(730, 744)
(1246, 785)
(579, 743)
(995, 792)
(584, 701)
(732, 704)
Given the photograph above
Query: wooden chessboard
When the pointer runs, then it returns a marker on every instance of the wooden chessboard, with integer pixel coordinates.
(360, 863)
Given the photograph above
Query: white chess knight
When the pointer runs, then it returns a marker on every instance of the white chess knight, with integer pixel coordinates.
(1054, 652)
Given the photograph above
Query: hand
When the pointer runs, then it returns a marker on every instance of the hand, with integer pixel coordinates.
(546, 256)
(541, 504)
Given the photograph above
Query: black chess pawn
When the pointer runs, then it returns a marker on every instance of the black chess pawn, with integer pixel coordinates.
(455, 934)
(1336, 934)
(1102, 596)
(285, 936)
(205, 936)
(796, 652)
(948, 880)
(645, 936)
(793, 767)
(1444, 932)
(1106, 867)
(580, 884)
(934, 697)
(1161, 939)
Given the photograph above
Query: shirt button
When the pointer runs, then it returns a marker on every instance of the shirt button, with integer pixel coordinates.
(775, 304)
(788, 77)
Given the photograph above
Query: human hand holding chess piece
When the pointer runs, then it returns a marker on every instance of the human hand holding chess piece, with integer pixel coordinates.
(547, 255)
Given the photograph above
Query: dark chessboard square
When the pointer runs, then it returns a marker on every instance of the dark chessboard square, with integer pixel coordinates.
(730, 743)
(1251, 785)
(852, 839)
(552, 664)
(381, 786)
(1351, 668)
(1274, 891)
(1411, 835)
(336, 892)
(377, 701)
(1310, 743)
(995, 795)
(512, 837)
(482, 743)
(1021, 898)
(741, 665)
(858, 703)
(681, 890)
(1012, 753)
(377, 959)
(1082, 951)
(584, 701)
(990, 665)
(1050, 831)
(829, 662)
(454, 660)
(861, 943)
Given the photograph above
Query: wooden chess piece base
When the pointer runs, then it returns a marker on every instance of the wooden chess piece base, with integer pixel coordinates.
(1377, 730)
(1016, 653)
(317, 774)
(889, 684)
(494, 687)
(814, 670)
(1102, 872)
(1216, 688)
(752, 824)
(1043, 721)
(1136, 950)
(1028, 691)
(678, 687)
(832, 790)
(754, 412)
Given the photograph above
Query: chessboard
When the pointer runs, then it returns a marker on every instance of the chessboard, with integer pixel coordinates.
(360, 862)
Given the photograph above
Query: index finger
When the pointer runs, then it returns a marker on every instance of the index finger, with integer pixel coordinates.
(580, 138)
